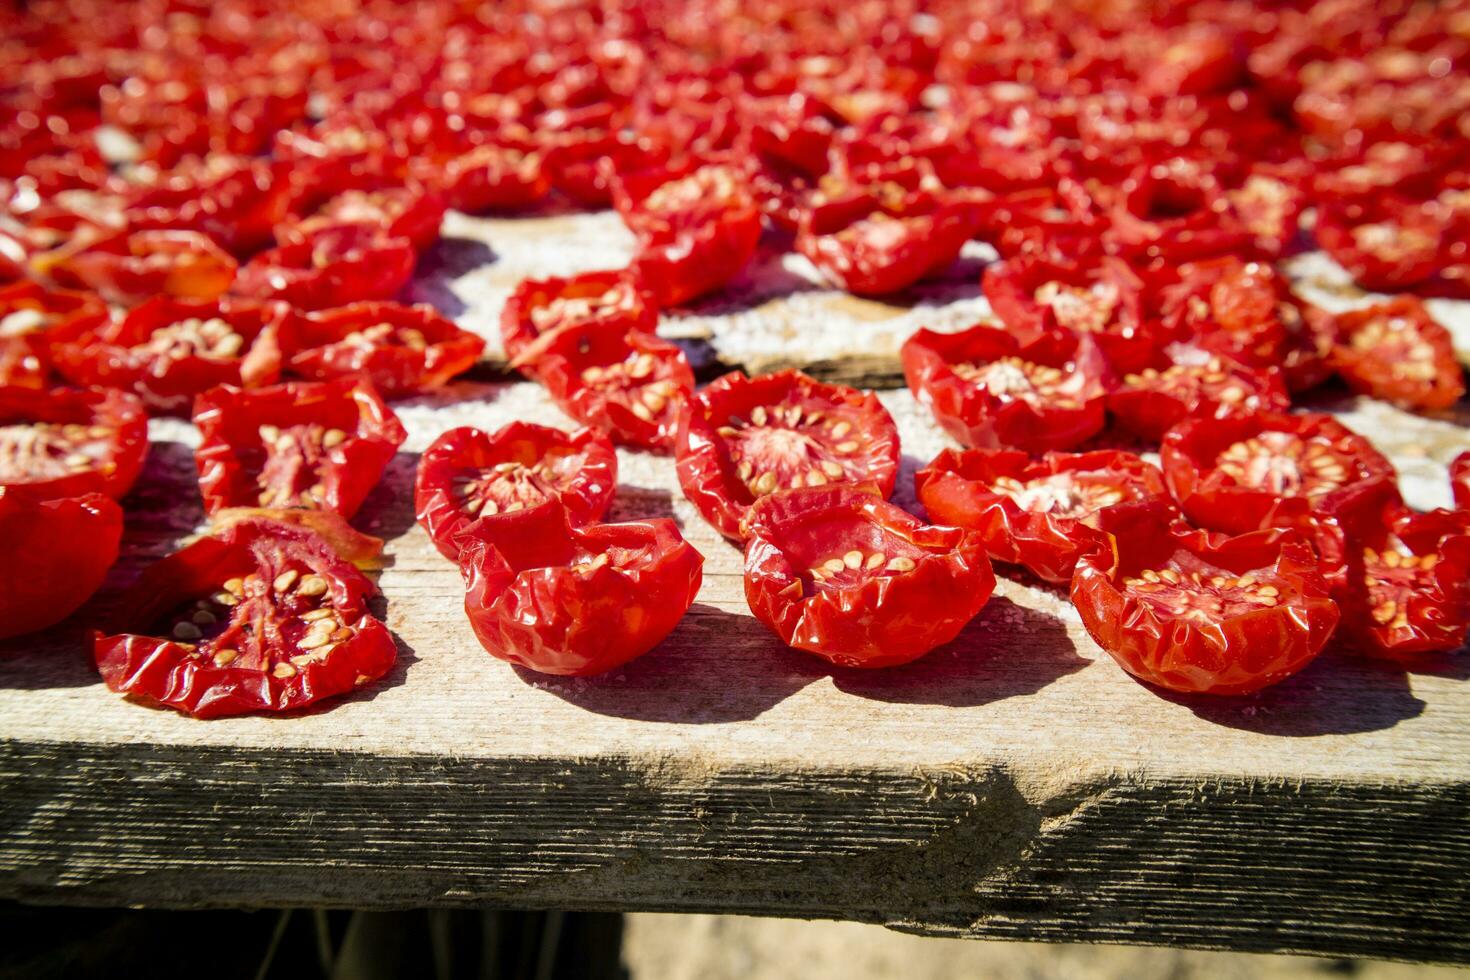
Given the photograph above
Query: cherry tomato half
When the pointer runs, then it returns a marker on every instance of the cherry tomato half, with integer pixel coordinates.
(744, 438)
(334, 196)
(66, 443)
(260, 618)
(868, 250)
(334, 266)
(840, 572)
(469, 479)
(133, 266)
(54, 553)
(540, 309)
(314, 444)
(1183, 382)
(1460, 480)
(31, 319)
(1397, 352)
(401, 349)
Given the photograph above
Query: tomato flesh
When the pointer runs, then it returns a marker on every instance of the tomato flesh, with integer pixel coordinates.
(54, 554)
(66, 443)
(401, 349)
(1397, 352)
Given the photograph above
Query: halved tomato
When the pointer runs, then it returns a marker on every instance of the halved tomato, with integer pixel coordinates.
(401, 349)
(333, 267)
(868, 249)
(540, 309)
(54, 553)
(65, 443)
(130, 267)
(1188, 382)
(31, 319)
(1397, 352)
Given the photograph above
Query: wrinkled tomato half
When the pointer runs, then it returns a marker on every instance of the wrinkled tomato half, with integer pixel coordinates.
(1244, 310)
(562, 599)
(469, 480)
(491, 177)
(868, 250)
(320, 445)
(1460, 481)
(1188, 382)
(1397, 352)
(1201, 612)
(31, 319)
(131, 267)
(333, 267)
(540, 309)
(336, 196)
(65, 443)
(631, 387)
(1267, 469)
(988, 388)
(401, 349)
(1035, 512)
(840, 572)
(169, 350)
(1393, 249)
(260, 618)
(54, 553)
(744, 438)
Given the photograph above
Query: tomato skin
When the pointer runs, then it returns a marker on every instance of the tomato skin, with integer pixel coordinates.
(1226, 653)
(54, 554)
(491, 177)
(1243, 310)
(431, 349)
(958, 488)
(1184, 382)
(330, 196)
(229, 421)
(236, 201)
(1413, 365)
(1215, 499)
(127, 441)
(130, 267)
(25, 351)
(976, 417)
(585, 497)
(870, 250)
(1460, 481)
(333, 266)
(556, 610)
(1387, 250)
(162, 671)
(885, 618)
(540, 309)
(710, 477)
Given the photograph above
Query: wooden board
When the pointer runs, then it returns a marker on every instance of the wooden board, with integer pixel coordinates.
(1013, 784)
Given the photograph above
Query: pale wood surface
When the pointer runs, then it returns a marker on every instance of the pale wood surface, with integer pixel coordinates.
(1015, 783)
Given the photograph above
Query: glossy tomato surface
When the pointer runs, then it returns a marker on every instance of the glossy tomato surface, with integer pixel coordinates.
(1397, 352)
(1183, 381)
(401, 349)
(132, 267)
(542, 309)
(32, 318)
(333, 266)
(68, 442)
(54, 554)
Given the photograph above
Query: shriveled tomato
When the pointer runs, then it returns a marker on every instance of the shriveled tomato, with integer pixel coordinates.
(1460, 480)
(840, 572)
(744, 438)
(400, 349)
(1267, 469)
(1393, 247)
(491, 177)
(334, 196)
(320, 445)
(259, 618)
(333, 267)
(167, 350)
(31, 319)
(1397, 352)
(580, 600)
(1035, 512)
(1188, 382)
(1168, 211)
(54, 553)
(236, 201)
(469, 480)
(1201, 612)
(65, 443)
(1244, 310)
(988, 388)
(869, 250)
(631, 386)
(1270, 207)
(133, 266)
(540, 309)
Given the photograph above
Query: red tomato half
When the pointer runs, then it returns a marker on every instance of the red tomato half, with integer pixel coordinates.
(1188, 382)
(66, 443)
(580, 600)
(31, 319)
(744, 438)
(1267, 469)
(987, 388)
(840, 572)
(1397, 352)
(334, 196)
(169, 350)
(1039, 513)
(53, 555)
(320, 445)
(131, 267)
(869, 250)
(401, 349)
(1397, 247)
(1200, 612)
(490, 178)
(1460, 481)
(333, 267)
(540, 309)
(469, 480)
(262, 617)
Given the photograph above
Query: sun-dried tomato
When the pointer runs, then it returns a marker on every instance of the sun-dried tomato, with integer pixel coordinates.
(32, 318)
(488, 177)
(133, 266)
(331, 197)
(1389, 248)
(334, 267)
(541, 309)
(401, 349)
(64, 442)
(54, 553)
(869, 250)
(1397, 352)
(1188, 382)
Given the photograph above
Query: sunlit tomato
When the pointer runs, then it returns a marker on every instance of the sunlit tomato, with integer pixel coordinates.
(1201, 612)
(1187, 382)
(1244, 310)
(400, 349)
(1164, 212)
(1397, 352)
(31, 319)
(319, 445)
(867, 250)
(64, 442)
(1039, 222)
(1034, 512)
(1312, 336)
(336, 196)
(540, 309)
(491, 177)
(744, 438)
(236, 201)
(840, 572)
(334, 267)
(54, 553)
(1388, 250)
(1406, 591)
(130, 267)
(580, 600)
(1460, 480)
(988, 388)
(582, 169)
(168, 350)
(259, 618)
(469, 481)
(1270, 208)
(630, 386)
(1265, 469)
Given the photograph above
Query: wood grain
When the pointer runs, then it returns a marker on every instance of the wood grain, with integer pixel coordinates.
(1013, 784)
